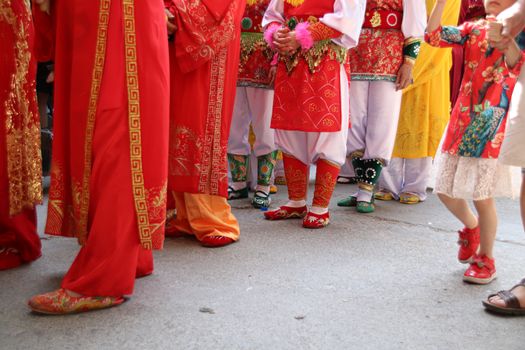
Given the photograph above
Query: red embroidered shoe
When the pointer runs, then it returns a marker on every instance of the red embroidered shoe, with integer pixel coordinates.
(314, 221)
(216, 241)
(60, 302)
(468, 242)
(284, 212)
(482, 270)
(9, 258)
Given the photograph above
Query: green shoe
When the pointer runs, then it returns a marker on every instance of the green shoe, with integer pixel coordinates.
(237, 194)
(350, 201)
(261, 200)
(366, 207)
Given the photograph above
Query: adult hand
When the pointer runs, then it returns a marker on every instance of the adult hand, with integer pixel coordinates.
(45, 5)
(404, 76)
(513, 20)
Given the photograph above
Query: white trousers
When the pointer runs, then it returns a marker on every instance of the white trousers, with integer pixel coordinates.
(309, 147)
(513, 148)
(252, 106)
(407, 175)
(374, 110)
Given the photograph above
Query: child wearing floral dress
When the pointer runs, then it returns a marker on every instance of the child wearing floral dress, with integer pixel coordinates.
(469, 168)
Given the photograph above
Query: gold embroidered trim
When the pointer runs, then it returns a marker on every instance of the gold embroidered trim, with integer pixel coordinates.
(295, 3)
(212, 171)
(316, 55)
(21, 123)
(135, 135)
(98, 71)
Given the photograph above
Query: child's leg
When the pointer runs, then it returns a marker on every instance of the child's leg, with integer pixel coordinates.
(488, 224)
(460, 209)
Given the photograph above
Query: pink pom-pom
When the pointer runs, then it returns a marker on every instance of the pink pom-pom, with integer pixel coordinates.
(268, 34)
(303, 36)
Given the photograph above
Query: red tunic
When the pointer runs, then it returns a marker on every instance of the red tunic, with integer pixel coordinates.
(380, 51)
(205, 62)
(256, 56)
(305, 100)
(84, 96)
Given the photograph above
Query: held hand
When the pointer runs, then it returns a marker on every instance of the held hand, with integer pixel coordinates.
(44, 5)
(286, 42)
(404, 76)
(172, 28)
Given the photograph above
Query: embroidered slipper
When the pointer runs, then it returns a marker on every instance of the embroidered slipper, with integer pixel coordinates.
(284, 212)
(350, 201)
(384, 195)
(409, 198)
(216, 241)
(315, 221)
(512, 303)
(261, 200)
(365, 207)
(60, 302)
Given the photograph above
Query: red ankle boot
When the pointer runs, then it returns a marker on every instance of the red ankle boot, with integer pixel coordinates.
(468, 244)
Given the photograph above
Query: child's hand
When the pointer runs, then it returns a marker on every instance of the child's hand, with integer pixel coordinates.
(404, 76)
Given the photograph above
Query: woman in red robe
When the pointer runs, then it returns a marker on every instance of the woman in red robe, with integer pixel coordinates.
(204, 66)
(109, 168)
(20, 161)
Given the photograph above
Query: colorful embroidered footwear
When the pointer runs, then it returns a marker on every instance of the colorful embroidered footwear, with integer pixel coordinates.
(365, 207)
(261, 200)
(468, 242)
(284, 212)
(350, 201)
(216, 241)
(9, 258)
(60, 302)
(314, 221)
(384, 195)
(409, 198)
(482, 270)
(237, 194)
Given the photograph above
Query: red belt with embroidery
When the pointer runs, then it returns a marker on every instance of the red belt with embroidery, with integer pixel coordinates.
(382, 19)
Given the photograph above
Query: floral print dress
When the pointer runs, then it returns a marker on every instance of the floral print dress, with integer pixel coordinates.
(468, 166)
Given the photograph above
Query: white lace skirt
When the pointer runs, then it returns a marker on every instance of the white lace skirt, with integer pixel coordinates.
(473, 178)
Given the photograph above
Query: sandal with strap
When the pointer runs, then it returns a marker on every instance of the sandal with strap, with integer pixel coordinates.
(512, 303)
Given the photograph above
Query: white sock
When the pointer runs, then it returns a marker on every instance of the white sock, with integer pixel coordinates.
(319, 210)
(265, 189)
(364, 196)
(239, 185)
(295, 204)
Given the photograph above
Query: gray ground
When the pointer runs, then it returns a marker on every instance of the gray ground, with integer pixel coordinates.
(388, 280)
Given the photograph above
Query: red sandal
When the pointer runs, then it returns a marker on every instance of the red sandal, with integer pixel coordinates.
(482, 270)
(468, 242)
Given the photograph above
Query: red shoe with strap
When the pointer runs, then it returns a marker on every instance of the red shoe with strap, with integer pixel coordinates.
(315, 221)
(468, 242)
(216, 241)
(9, 258)
(284, 213)
(482, 270)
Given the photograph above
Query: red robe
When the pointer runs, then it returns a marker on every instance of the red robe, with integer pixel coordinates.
(20, 159)
(205, 54)
(81, 65)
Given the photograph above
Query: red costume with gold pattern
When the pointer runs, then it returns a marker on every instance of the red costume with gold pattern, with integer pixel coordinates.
(311, 112)
(20, 160)
(204, 65)
(108, 180)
